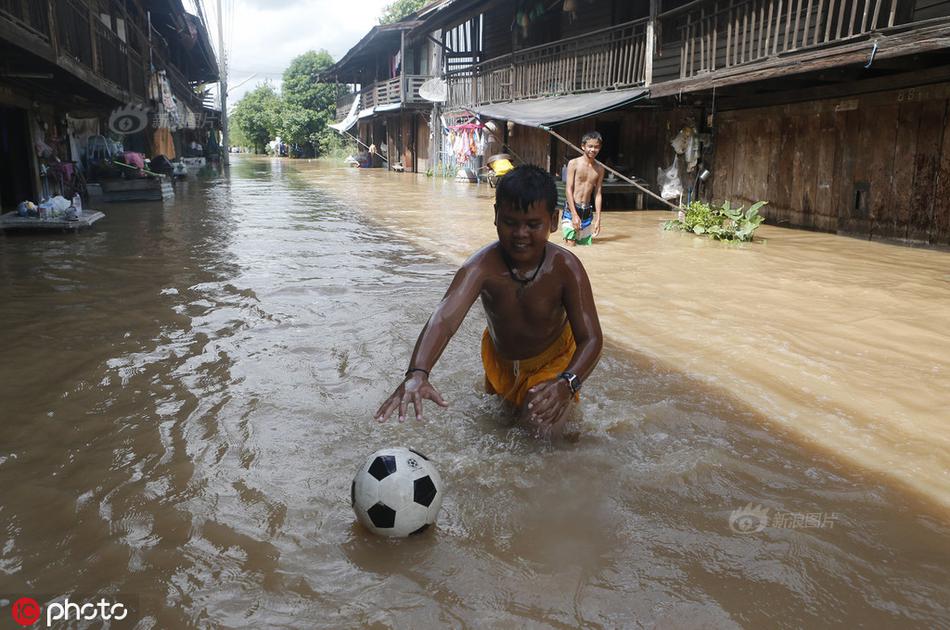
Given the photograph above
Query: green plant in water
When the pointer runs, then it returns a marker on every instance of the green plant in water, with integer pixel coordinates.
(723, 223)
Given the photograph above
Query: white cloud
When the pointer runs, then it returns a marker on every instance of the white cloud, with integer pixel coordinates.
(267, 34)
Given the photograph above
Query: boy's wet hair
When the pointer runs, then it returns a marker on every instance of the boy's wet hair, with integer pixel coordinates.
(592, 135)
(525, 185)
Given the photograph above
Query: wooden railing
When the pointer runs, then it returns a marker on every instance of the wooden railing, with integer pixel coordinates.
(28, 14)
(137, 75)
(344, 103)
(606, 59)
(402, 89)
(72, 19)
(413, 83)
(112, 56)
(80, 37)
(382, 93)
(730, 34)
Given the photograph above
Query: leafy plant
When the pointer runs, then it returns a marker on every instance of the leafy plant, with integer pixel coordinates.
(723, 223)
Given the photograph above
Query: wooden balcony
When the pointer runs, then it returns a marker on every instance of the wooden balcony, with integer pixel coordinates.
(344, 103)
(607, 59)
(75, 41)
(402, 89)
(70, 34)
(748, 31)
(112, 54)
(29, 15)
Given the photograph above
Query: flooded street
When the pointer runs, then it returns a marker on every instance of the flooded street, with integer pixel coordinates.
(187, 391)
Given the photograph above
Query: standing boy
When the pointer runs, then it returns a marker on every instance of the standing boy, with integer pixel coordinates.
(543, 337)
(583, 193)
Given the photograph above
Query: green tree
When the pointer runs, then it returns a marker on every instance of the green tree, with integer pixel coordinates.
(237, 137)
(258, 115)
(309, 106)
(400, 9)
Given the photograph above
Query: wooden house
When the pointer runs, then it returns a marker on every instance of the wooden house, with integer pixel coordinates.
(79, 60)
(385, 71)
(832, 110)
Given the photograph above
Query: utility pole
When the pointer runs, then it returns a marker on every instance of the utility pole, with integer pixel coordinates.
(223, 87)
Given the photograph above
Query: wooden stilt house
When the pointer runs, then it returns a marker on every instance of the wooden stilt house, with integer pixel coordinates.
(67, 64)
(384, 109)
(834, 111)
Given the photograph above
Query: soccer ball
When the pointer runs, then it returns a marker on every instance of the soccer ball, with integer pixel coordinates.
(397, 492)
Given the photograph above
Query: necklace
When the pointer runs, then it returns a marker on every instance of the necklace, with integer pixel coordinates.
(523, 282)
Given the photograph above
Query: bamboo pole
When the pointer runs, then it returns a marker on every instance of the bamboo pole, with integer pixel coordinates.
(358, 141)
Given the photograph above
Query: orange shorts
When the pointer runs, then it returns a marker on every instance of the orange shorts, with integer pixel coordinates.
(513, 379)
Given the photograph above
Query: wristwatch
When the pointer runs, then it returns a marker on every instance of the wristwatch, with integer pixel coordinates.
(572, 380)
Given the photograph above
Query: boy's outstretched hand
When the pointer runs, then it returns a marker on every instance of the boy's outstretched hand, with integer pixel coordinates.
(546, 402)
(414, 389)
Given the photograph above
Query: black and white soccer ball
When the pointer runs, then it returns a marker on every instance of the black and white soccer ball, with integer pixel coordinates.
(397, 492)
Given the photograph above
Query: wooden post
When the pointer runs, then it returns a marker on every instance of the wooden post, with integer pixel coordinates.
(93, 47)
(53, 28)
(829, 18)
(128, 57)
(34, 160)
(402, 67)
(798, 17)
(702, 39)
(778, 26)
(715, 36)
(650, 45)
(729, 35)
(435, 126)
(223, 87)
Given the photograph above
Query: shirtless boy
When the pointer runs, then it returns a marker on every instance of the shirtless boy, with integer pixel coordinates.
(543, 337)
(583, 192)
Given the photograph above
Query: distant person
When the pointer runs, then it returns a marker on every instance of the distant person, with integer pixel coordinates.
(543, 337)
(583, 193)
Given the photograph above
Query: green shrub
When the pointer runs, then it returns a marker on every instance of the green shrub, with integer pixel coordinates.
(723, 223)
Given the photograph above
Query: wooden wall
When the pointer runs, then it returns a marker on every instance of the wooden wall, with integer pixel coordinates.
(875, 165)
(532, 145)
(589, 17)
(497, 37)
(929, 9)
(401, 140)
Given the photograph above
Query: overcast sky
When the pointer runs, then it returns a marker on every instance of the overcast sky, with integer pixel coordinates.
(265, 35)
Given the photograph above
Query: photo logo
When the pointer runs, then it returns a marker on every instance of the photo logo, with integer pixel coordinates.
(26, 611)
(750, 519)
(128, 119)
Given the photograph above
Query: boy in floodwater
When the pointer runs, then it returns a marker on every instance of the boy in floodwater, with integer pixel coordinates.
(583, 193)
(543, 337)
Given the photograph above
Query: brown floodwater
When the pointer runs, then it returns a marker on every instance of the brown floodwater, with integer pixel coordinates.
(188, 390)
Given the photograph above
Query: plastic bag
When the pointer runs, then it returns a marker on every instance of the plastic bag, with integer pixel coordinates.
(59, 205)
(681, 141)
(686, 144)
(668, 180)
